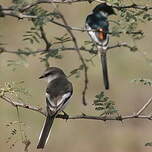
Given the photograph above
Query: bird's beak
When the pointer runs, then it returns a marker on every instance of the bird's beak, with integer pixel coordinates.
(41, 77)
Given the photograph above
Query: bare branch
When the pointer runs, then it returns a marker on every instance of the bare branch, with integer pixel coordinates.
(50, 1)
(105, 118)
(135, 6)
(86, 30)
(43, 36)
(82, 116)
(80, 57)
(22, 105)
(43, 51)
(144, 107)
(17, 14)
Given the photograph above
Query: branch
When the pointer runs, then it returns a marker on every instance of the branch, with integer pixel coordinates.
(106, 118)
(80, 57)
(20, 15)
(15, 14)
(44, 51)
(43, 36)
(22, 105)
(10, 12)
(145, 106)
(50, 1)
(135, 6)
(83, 116)
(86, 30)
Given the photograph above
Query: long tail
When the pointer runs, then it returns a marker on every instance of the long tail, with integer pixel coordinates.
(45, 132)
(103, 57)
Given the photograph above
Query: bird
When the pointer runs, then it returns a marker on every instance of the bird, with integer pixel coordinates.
(97, 25)
(58, 92)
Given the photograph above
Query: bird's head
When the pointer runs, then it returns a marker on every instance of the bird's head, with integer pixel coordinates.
(52, 73)
(105, 8)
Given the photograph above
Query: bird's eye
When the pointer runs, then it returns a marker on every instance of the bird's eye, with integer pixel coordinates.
(47, 74)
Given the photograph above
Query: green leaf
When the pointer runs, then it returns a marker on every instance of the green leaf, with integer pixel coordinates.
(32, 35)
(146, 82)
(148, 144)
(14, 88)
(76, 71)
(103, 104)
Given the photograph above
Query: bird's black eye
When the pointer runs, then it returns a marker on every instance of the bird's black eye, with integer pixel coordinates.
(48, 73)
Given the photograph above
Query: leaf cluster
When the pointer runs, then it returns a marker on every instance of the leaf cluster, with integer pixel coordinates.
(104, 105)
(13, 88)
(143, 81)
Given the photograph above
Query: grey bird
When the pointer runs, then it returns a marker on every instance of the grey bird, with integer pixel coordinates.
(58, 92)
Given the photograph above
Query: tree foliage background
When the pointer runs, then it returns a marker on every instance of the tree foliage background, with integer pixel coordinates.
(33, 38)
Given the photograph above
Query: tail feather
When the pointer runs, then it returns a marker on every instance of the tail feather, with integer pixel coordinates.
(104, 68)
(45, 132)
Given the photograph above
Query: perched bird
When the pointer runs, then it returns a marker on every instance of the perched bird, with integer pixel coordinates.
(98, 28)
(58, 92)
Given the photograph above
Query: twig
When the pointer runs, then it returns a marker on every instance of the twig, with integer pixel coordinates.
(123, 44)
(33, 4)
(3, 50)
(20, 15)
(105, 118)
(22, 105)
(80, 57)
(17, 14)
(86, 30)
(49, 1)
(135, 6)
(144, 107)
(43, 36)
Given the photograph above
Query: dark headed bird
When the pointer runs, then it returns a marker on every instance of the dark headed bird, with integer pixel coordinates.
(98, 23)
(58, 92)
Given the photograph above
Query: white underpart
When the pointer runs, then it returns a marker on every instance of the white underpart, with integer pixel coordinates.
(103, 43)
(93, 35)
(59, 106)
(51, 103)
(60, 103)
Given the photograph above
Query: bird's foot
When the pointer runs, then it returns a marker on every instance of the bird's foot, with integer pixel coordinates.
(66, 116)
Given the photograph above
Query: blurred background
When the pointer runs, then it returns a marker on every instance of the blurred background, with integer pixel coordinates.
(78, 135)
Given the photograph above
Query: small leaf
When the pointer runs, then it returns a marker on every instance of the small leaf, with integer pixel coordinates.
(148, 144)
(103, 104)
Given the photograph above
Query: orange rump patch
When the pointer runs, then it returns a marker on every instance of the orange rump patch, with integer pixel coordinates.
(101, 34)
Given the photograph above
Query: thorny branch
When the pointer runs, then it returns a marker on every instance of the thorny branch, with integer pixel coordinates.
(144, 107)
(43, 36)
(24, 16)
(137, 115)
(4, 50)
(22, 105)
(135, 6)
(86, 30)
(33, 4)
(80, 57)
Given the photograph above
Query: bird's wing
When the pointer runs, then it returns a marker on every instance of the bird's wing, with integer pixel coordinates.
(57, 94)
(101, 25)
